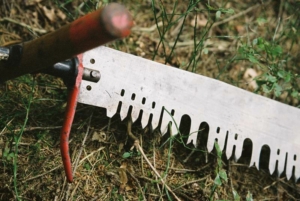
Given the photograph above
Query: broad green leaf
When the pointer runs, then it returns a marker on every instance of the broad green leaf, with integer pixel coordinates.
(271, 78)
(260, 82)
(236, 196)
(230, 11)
(281, 73)
(218, 14)
(261, 46)
(288, 77)
(255, 41)
(295, 94)
(266, 88)
(260, 21)
(276, 51)
(223, 175)
(277, 89)
(252, 59)
(249, 196)
(87, 166)
(219, 152)
(219, 161)
(205, 51)
(126, 155)
(6, 152)
(10, 155)
(217, 180)
(210, 7)
(261, 42)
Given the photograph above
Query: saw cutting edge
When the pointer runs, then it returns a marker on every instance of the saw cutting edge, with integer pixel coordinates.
(162, 94)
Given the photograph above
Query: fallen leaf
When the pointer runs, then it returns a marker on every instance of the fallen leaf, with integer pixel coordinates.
(249, 77)
(240, 29)
(99, 136)
(122, 174)
(1, 147)
(31, 2)
(199, 21)
(61, 15)
(49, 13)
(123, 178)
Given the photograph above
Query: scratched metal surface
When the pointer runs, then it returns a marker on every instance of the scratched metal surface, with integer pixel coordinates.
(232, 114)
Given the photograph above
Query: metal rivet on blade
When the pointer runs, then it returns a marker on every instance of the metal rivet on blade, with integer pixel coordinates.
(91, 75)
(95, 74)
(88, 87)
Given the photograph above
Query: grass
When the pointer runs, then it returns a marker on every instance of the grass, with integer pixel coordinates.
(221, 40)
(17, 140)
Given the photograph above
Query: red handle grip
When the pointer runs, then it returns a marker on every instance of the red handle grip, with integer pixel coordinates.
(68, 121)
(95, 29)
(92, 30)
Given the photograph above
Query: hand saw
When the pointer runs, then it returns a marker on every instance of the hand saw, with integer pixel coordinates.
(162, 94)
(42, 54)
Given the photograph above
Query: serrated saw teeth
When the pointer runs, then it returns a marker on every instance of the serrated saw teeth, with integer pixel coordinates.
(233, 115)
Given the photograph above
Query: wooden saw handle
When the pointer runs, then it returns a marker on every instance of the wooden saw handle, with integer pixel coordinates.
(92, 30)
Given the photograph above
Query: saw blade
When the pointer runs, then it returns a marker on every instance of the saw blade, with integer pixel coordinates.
(162, 94)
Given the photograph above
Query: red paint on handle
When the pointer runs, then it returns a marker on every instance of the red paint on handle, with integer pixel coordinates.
(69, 116)
(100, 27)
(97, 28)
(94, 29)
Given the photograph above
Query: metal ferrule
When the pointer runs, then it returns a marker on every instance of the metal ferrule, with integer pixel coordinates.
(4, 53)
(91, 75)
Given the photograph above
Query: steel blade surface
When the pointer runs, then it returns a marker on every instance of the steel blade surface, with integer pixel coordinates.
(233, 114)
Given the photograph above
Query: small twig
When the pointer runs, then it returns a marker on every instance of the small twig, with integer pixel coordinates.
(148, 29)
(138, 183)
(236, 15)
(154, 164)
(191, 182)
(180, 171)
(142, 159)
(81, 161)
(188, 157)
(68, 190)
(73, 192)
(109, 124)
(30, 129)
(274, 183)
(229, 177)
(7, 124)
(82, 145)
(281, 9)
(186, 197)
(176, 30)
(63, 192)
(138, 147)
(239, 164)
(278, 23)
(41, 31)
(131, 135)
(40, 175)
